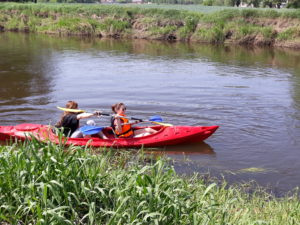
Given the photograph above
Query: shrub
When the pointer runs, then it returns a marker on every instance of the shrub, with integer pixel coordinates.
(208, 2)
(214, 34)
(288, 34)
(191, 23)
(113, 25)
(267, 32)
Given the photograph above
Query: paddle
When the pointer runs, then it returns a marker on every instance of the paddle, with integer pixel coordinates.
(89, 130)
(78, 111)
(71, 110)
(153, 119)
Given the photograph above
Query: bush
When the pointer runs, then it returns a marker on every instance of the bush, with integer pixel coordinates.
(214, 34)
(294, 4)
(229, 2)
(191, 23)
(267, 32)
(208, 2)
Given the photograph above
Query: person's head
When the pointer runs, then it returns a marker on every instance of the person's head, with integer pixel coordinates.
(119, 108)
(71, 105)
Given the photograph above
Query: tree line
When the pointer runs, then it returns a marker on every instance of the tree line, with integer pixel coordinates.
(237, 3)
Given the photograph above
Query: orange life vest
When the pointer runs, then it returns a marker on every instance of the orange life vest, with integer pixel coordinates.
(126, 128)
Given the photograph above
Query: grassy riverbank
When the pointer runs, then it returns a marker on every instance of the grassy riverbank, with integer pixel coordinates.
(248, 26)
(42, 184)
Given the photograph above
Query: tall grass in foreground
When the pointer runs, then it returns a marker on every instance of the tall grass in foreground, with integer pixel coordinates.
(44, 184)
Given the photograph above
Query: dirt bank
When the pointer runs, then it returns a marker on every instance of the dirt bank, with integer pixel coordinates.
(246, 27)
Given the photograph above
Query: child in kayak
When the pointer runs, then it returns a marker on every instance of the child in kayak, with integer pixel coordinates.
(70, 121)
(121, 124)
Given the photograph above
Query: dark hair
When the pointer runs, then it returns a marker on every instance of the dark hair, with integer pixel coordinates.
(117, 106)
(69, 105)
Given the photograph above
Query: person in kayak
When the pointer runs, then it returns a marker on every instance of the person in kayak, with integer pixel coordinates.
(121, 125)
(69, 121)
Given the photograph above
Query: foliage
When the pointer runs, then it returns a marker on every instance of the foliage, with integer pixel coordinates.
(289, 34)
(214, 34)
(46, 184)
(294, 4)
(191, 23)
(21, 1)
(240, 26)
(221, 2)
(175, 1)
(254, 3)
(112, 25)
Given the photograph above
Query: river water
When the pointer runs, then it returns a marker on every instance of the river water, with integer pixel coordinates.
(253, 94)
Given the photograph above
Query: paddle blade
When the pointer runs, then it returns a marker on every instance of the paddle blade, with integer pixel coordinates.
(163, 124)
(71, 110)
(89, 130)
(156, 118)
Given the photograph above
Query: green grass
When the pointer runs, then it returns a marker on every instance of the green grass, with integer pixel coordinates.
(214, 34)
(289, 34)
(112, 25)
(167, 11)
(46, 184)
(163, 30)
(162, 22)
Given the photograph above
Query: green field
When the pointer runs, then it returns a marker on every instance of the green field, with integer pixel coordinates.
(197, 8)
(194, 8)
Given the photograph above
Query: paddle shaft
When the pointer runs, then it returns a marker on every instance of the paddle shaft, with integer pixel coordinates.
(140, 120)
(131, 118)
(101, 114)
(107, 114)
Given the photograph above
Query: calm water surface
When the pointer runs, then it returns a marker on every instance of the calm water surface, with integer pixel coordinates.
(253, 94)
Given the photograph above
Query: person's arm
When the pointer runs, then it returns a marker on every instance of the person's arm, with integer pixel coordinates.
(118, 125)
(85, 115)
(132, 123)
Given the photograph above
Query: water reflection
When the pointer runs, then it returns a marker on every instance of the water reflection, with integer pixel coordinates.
(237, 55)
(200, 148)
(24, 72)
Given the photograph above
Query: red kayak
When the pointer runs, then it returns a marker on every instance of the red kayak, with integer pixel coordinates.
(165, 136)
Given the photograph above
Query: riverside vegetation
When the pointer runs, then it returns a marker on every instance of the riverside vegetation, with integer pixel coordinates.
(48, 184)
(246, 27)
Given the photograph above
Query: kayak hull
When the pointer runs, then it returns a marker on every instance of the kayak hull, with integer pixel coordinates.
(165, 136)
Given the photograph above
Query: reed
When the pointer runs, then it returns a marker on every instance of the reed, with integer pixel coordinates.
(47, 184)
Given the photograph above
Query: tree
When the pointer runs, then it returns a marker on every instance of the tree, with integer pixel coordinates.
(294, 4)
(255, 3)
(35, 1)
(268, 3)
